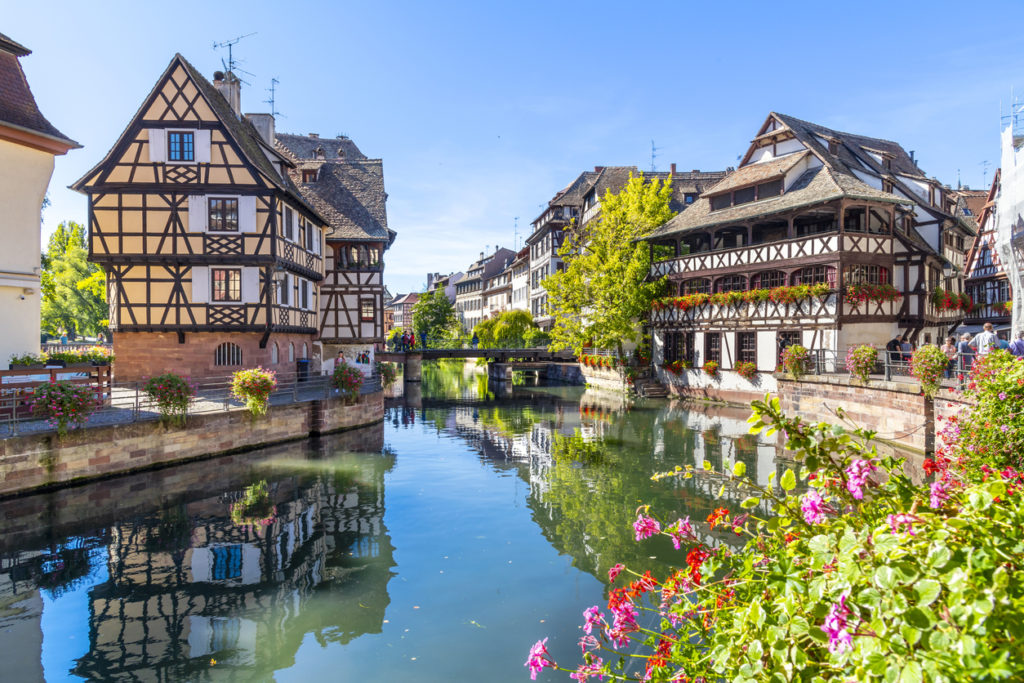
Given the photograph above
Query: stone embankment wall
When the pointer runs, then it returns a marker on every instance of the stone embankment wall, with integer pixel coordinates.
(725, 385)
(42, 461)
(605, 378)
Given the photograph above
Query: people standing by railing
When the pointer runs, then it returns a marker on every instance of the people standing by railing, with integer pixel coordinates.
(949, 349)
(965, 357)
(985, 341)
(1017, 345)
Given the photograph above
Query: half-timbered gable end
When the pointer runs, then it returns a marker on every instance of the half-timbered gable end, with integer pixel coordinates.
(347, 189)
(810, 205)
(201, 232)
(986, 281)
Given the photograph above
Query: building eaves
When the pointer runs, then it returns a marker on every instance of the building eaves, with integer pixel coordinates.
(18, 108)
(757, 173)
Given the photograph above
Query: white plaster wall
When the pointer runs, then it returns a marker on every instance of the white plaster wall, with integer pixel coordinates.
(856, 334)
(24, 176)
(868, 179)
(726, 379)
(767, 350)
(788, 147)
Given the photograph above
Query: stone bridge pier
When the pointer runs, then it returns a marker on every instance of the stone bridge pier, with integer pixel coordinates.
(501, 372)
(413, 366)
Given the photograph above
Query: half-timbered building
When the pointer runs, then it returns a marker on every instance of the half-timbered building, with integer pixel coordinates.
(347, 188)
(213, 258)
(986, 280)
(810, 205)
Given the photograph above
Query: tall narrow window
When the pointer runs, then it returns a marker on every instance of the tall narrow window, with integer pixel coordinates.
(227, 284)
(289, 217)
(747, 344)
(227, 354)
(713, 347)
(366, 312)
(223, 215)
(302, 232)
(181, 146)
(309, 176)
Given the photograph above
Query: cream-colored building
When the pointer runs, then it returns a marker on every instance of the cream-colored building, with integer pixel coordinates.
(28, 143)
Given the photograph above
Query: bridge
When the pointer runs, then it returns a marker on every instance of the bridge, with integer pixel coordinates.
(500, 362)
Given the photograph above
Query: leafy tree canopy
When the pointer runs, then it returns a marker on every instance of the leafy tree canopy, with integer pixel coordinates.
(434, 315)
(508, 330)
(604, 290)
(73, 289)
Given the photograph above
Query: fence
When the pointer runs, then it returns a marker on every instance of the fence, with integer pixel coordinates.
(124, 403)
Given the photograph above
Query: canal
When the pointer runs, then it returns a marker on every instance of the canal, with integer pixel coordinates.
(438, 546)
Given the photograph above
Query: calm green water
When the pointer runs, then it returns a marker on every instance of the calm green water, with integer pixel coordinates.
(437, 546)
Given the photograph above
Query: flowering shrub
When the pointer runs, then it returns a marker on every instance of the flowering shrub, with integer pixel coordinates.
(927, 366)
(784, 295)
(388, 373)
(1007, 306)
(853, 578)
(710, 368)
(859, 293)
(677, 367)
(746, 370)
(63, 404)
(347, 380)
(172, 394)
(100, 355)
(26, 359)
(948, 300)
(796, 360)
(860, 361)
(599, 361)
(254, 387)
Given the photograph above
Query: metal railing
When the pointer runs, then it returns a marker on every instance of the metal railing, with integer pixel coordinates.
(128, 402)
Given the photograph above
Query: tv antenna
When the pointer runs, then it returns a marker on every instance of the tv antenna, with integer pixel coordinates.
(515, 233)
(654, 155)
(273, 86)
(984, 173)
(231, 65)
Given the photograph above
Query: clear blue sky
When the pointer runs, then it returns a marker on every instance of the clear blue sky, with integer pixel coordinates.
(482, 111)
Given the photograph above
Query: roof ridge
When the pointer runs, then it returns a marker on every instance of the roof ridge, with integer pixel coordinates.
(833, 130)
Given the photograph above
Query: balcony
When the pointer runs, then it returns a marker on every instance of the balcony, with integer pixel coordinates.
(770, 254)
(818, 308)
(305, 262)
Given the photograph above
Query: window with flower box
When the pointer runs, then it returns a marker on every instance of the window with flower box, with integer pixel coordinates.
(746, 344)
(700, 285)
(865, 275)
(713, 347)
(814, 275)
(731, 283)
(768, 279)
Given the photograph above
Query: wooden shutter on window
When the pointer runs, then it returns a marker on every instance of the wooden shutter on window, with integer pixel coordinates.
(202, 141)
(200, 284)
(250, 285)
(247, 214)
(197, 213)
(157, 145)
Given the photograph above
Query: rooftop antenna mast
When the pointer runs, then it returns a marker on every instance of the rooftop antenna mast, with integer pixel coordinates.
(984, 173)
(273, 86)
(654, 155)
(231, 65)
(515, 233)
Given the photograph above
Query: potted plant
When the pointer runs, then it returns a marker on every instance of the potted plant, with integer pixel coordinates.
(254, 386)
(927, 366)
(710, 368)
(172, 394)
(860, 361)
(388, 373)
(746, 370)
(347, 380)
(26, 361)
(796, 360)
(63, 404)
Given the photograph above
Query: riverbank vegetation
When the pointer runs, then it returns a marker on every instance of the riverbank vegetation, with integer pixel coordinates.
(860, 573)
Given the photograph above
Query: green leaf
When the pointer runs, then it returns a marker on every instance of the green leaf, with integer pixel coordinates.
(876, 663)
(707, 465)
(885, 577)
(911, 673)
(749, 502)
(926, 591)
(739, 469)
(918, 618)
(788, 481)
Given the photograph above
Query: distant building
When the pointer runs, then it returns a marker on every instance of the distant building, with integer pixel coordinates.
(985, 278)
(520, 267)
(401, 308)
(469, 291)
(213, 257)
(28, 144)
(347, 189)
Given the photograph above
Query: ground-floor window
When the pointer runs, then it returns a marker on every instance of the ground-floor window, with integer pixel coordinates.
(746, 342)
(713, 347)
(678, 346)
(227, 354)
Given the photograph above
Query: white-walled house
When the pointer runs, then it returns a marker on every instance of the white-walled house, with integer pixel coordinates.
(28, 144)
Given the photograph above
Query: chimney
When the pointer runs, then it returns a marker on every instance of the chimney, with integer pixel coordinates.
(912, 156)
(228, 85)
(264, 125)
(696, 170)
(315, 136)
(672, 168)
(598, 169)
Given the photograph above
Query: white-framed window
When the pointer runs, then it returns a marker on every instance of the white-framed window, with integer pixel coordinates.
(179, 146)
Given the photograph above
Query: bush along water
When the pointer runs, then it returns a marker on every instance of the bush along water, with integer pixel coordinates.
(63, 404)
(388, 373)
(254, 386)
(857, 575)
(347, 380)
(172, 395)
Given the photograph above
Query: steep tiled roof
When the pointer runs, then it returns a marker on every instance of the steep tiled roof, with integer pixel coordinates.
(17, 105)
(349, 193)
(757, 173)
(307, 147)
(573, 193)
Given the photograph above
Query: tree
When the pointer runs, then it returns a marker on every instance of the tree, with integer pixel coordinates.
(434, 315)
(73, 289)
(508, 330)
(604, 289)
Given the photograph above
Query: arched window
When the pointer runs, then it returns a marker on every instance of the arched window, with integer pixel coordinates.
(304, 351)
(291, 352)
(227, 354)
(274, 357)
(815, 274)
(700, 285)
(768, 279)
(731, 283)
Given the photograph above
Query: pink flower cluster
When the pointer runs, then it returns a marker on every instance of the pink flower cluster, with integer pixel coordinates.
(857, 476)
(839, 638)
(813, 507)
(645, 527)
(538, 659)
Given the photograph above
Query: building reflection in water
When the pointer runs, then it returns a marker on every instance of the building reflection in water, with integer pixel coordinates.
(190, 594)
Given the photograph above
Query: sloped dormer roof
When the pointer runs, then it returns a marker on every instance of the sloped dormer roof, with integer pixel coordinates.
(18, 110)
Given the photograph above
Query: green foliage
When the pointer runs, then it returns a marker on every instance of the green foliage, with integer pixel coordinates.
(535, 338)
(927, 365)
(854, 577)
(172, 394)
(992, 433)
(434, 315)
(73, 290)
(254, 387)
(394, 335)
(255, 507)
(63, 404)
(388, 373)
(347, 380)
(796, 360)
(26, 359)
(509, 330)
(576, 448)
(604, 290)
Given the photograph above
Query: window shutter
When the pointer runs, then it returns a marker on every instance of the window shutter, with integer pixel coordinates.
(157, 145)
(250, 285)
(286, 290)
(247, 214)
(294, 229)
(203, 146)
(197, 207)
(200, 284)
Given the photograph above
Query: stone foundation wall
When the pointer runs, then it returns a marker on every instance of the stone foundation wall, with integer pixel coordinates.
(41, 461)
(606, 378)
(726, 386)
(140, 355)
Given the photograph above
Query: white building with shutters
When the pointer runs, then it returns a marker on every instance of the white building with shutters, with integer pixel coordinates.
(213, 257)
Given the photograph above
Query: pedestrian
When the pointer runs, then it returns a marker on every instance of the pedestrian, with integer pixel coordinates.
(949, 348)
(895, 349)
(1002, 344)
(907, 349)
(1017, 345)
(475, 341)
(423, 340)
(985, 341)
(340, 360)
(965, 356)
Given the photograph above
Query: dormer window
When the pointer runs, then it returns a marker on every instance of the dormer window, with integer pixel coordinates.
(181, 146)
(319, 153)
(745, 195)
(309, 175)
